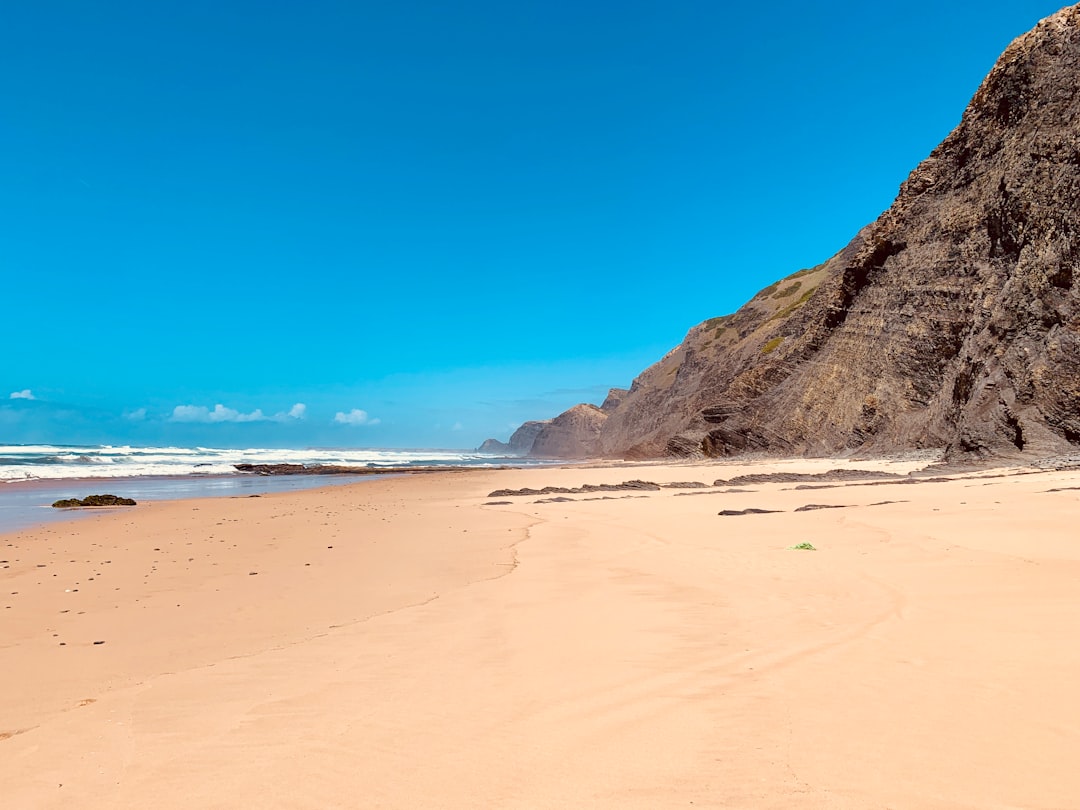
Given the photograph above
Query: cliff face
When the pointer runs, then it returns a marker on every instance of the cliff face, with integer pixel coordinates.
(524, 437)
(952, 321)
(573, 434)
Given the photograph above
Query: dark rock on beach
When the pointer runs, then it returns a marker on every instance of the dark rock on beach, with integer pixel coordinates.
(330, 469)
(94, 500)
(274, 469)
(791, 478)
(890, 482)
(635, 485)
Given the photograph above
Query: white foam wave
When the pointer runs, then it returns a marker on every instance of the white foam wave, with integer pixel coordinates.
(31, 462)
(55, 472)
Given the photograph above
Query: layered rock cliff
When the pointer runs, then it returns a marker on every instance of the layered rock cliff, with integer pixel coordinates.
(572, 434)
(523, 438)
(953, 321)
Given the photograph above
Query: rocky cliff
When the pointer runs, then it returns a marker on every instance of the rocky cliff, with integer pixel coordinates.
(495, 448)
(953, 321)
(523, 438)
(572, 434)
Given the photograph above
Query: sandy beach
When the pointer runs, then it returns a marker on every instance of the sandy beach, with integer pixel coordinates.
(415, 642)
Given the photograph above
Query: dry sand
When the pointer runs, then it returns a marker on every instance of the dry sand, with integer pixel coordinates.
(400, 644)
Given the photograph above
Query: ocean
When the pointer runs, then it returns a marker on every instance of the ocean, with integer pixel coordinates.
(38, 462)
(33, 476)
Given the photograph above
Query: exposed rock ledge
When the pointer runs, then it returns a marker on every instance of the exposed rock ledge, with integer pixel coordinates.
(328, 469)
(94, 500)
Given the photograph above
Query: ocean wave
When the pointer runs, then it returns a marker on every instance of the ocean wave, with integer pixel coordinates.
(32, 462)
(25, 473)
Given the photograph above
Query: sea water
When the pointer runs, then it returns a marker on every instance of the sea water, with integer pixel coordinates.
(37, 462)
(33, 476)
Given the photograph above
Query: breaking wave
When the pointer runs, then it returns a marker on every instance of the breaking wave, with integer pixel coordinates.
(36, 462)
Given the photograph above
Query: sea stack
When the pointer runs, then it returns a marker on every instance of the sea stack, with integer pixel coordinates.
(951, 322)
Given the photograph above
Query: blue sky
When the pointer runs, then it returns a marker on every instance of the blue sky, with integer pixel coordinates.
(435, 220)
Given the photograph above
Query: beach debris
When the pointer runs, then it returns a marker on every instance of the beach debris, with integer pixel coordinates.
(802, 547)
(94, 500)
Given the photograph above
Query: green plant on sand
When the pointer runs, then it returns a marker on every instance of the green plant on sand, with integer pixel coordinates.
(802, 547)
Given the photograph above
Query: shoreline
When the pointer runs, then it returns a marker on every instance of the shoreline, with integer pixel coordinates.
(28, 504)
(406, 641)
(21, 508)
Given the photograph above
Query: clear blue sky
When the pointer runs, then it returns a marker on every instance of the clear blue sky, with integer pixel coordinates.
(434, 219)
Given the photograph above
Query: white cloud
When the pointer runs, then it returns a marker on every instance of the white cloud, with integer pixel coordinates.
(190, 413)
(136, 415)
(354, 417)
(200, 413)
(26, 393)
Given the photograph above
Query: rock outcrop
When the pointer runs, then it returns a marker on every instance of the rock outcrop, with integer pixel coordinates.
(523, 438)
(953, 321)
(614, 399)
(495, 448)
(94, 500)
(573, 434)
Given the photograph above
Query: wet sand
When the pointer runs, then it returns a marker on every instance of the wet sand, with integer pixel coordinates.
(24, 504)
(398, 643)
